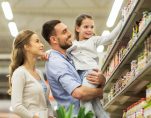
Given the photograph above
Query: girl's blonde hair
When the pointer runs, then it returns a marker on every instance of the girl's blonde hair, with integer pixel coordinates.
(18, 53)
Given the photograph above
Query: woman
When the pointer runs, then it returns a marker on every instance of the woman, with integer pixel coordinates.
(29, 92)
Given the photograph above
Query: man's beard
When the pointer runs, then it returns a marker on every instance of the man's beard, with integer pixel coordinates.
(65, 46)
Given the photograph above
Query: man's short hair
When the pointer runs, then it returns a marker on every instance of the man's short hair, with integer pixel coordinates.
(48, 29)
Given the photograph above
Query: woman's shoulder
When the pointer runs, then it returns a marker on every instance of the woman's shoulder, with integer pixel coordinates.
(19, 71)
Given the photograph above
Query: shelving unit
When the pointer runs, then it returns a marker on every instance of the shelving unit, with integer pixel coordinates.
(134, 89)
(128, 55)
(126, 26)
(131, 89)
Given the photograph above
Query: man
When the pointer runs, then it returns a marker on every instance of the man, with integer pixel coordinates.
(63, 78)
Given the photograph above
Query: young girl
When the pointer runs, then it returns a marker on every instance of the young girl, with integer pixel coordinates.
(84, 54)
(29, 92)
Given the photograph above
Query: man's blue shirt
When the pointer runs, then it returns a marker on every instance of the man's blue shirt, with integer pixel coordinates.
(63, 79)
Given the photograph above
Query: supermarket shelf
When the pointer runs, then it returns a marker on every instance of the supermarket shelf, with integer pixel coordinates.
(131, 89)
(127, 56)
(135, 87)
(122, 33)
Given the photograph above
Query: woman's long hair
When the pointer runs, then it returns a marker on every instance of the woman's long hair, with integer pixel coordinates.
(18, 53)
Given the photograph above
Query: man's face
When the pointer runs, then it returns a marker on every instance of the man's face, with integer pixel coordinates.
(63, 35)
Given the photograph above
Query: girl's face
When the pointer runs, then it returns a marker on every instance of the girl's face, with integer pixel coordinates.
(35, 47)
(86, 30)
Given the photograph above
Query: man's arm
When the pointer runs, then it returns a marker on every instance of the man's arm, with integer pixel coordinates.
(87, 93)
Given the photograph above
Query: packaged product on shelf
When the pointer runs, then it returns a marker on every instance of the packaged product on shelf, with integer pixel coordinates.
(136, 110)
(147, 17)
(133, 67)
(148, 43)
(109, 48)
(140, 64)
(143, 102)
(144, 21)
(125, 51)
(124, 14)
(146, 50)
(116, 59)
(128, 76)
(147, 110)
(148, 93)
(124, 81)
(149, 46)
(121, 53)
(111, 68)
(129, 113)
(105, 99)
(130, 44)
(140, 111)
(141, 26)
(110, 94)
(133, 64)
(124, 114)
(107, 74)
(118, 85)
(144, 58)
(134, 34)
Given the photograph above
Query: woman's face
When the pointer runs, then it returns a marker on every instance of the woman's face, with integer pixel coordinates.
(86, 30)
(35, 46)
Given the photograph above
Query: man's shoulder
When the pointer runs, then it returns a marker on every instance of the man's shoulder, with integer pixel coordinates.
(55, 61)
(55, 58)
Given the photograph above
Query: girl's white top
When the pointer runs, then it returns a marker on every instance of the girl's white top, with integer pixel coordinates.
(84, 53)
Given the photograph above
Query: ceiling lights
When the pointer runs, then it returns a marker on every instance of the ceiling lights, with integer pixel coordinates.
(9, 16)
(7, 10)
(114, 12)
(13, 28)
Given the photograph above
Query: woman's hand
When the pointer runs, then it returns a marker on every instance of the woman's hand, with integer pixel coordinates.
(96, 77)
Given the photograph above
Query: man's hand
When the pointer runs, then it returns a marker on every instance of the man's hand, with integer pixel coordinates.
(96, 77)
